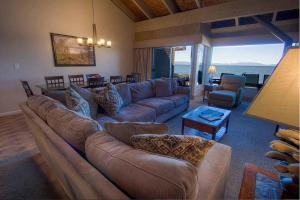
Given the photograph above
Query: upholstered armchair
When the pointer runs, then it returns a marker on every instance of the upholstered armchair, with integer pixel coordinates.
(229, 93)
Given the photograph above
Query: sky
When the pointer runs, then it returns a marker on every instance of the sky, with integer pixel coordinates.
(268, 54)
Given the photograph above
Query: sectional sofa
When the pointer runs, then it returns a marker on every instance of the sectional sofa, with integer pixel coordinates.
(91, 162)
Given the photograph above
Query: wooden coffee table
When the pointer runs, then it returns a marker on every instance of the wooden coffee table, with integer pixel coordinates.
(192, 120)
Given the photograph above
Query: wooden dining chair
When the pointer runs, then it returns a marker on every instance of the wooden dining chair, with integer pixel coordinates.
(95, 82)
(116, 79)
(138, 75)
(132, 78)
(27, 88)
(76, 79)
(55, 81)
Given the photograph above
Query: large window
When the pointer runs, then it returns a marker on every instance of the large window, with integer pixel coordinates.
(249, 59)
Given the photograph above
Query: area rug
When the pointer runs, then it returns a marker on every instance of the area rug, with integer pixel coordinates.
(249, 139)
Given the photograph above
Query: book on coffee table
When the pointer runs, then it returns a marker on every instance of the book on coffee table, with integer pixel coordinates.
(211, 115)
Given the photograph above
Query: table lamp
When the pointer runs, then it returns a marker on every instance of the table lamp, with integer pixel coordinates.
(278, 102)
(211, 70)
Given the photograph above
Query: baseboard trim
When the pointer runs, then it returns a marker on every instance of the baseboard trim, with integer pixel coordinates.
(10, 113)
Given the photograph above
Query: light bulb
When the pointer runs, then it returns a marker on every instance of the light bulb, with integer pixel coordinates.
(108, 44)
(101, 42)
(79, 40)
(89, 41)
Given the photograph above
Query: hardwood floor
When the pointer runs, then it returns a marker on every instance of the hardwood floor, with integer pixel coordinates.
(23, 172)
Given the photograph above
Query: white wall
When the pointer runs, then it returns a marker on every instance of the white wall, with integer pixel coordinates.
(25, 27)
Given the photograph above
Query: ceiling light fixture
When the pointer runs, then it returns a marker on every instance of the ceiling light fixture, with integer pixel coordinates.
(94, 42)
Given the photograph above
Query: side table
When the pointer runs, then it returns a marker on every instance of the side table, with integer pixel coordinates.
(259, 183)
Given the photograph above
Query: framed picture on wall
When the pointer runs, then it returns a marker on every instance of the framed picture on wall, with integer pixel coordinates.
(67, 51)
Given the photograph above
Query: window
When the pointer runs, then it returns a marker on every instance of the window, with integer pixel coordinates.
(249, 59)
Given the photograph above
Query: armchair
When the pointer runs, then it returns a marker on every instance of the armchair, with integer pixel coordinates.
(229, 93)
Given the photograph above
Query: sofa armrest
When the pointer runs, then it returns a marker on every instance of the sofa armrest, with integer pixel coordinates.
(219, 87)
(183, 90)
(124, 130)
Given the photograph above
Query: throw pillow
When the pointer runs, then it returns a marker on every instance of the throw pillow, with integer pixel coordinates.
(124, 130)
(189, 148)
(89, 97)
(173, 82)
(77, 103)
(163, 88)
(110, 100)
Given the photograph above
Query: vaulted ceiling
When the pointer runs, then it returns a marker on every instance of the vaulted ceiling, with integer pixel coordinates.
(139, 10)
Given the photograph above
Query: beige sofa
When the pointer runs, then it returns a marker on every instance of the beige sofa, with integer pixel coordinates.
(109, 169)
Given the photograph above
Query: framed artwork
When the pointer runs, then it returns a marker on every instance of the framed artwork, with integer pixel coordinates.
(67, 52)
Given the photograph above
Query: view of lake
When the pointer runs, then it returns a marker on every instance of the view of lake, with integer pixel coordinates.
(233, 69)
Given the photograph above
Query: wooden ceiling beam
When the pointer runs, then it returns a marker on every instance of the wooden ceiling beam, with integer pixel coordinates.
(144, 8)
(229, 10)
(282, 36)
(199, 3)
(127, 12)
(171, 6)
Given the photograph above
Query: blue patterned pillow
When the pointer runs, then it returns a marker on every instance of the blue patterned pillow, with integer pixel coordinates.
(76, 103)
(109, 99)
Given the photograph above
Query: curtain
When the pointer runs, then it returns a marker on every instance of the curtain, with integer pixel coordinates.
(142, 61)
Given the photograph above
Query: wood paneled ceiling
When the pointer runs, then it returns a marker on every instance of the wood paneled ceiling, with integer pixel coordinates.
(139, 10)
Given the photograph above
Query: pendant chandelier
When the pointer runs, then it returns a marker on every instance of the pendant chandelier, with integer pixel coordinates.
(94, 42)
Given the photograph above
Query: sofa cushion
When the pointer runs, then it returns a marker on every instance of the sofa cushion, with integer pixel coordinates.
(125, 93)
(178, 99)
(163, 88)
(140, 174)
(124, 130)
(58, 95)
(110, 100)
(76, 103)
(72, 127)
(135, 113)
(223, 95)
(142, 90)
(158, 104)
(102, 119)
(42, 105)
(184, 147)
(89, 97)
(174, 83)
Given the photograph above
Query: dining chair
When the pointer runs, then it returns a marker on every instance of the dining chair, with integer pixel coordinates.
(76, 79)
(27, 88)
(131, 78)
(116, 79)
(94, 82)
(55, 81)
(138, 75)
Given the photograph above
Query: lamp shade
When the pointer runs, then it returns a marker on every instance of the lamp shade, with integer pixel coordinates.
(278, 100)
(212, 69)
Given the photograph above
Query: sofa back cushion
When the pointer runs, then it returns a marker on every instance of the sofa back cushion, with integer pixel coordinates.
(233, 82)
(142, 90)
(42, 105)
(124, 91)
(77, 103)
(163, 88)
(72, 127)
(90, 98)
(140, 174)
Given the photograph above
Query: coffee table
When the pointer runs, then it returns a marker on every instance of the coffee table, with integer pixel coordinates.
(192, 120)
